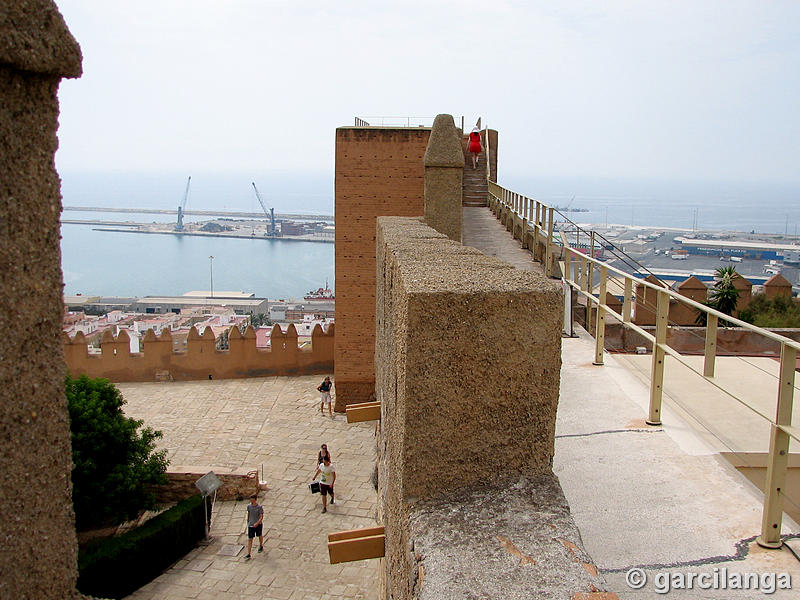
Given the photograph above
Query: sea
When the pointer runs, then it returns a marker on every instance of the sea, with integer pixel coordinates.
(130, 264)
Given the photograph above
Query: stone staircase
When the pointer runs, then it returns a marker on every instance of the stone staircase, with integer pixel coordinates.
(473, 187)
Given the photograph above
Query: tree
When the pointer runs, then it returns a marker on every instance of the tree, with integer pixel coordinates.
(780, 311)
(114, 461)
(259, 320)
(724, 296)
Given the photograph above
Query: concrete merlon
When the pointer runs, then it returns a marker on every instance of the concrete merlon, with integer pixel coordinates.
(444, 146)
(35, 38)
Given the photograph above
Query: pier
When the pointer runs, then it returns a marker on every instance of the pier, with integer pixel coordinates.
(206, 213)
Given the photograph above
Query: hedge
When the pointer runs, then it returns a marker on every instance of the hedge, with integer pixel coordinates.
(117, 566)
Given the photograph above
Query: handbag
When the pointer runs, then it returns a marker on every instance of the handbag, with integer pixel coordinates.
(314, 487)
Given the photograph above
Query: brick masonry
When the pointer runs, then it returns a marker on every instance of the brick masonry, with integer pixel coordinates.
(379, 171)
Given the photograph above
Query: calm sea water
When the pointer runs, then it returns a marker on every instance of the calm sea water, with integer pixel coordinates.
(128, 264)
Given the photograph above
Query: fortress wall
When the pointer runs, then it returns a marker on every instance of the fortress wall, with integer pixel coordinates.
(467, 370)
(379, 171)
(158, 361)
(38, 552)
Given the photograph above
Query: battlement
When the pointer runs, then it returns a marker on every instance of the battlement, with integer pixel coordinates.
(158, 360)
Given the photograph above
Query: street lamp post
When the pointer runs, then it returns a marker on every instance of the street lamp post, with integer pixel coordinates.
(211, 265)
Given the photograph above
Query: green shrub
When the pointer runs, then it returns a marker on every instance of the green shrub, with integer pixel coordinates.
(778, 312)
(116, 567)
(114, 458)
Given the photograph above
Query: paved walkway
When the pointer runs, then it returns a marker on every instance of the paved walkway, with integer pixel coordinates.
(657, 498)
(480, 229)
(272, 422)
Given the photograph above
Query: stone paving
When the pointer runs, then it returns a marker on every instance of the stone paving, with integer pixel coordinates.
(272, 423)
(482, 230)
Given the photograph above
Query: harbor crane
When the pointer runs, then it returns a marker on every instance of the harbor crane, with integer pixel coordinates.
(182, 207)
(270, 213)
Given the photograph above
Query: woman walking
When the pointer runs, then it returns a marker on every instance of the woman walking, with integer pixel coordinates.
(475, 146)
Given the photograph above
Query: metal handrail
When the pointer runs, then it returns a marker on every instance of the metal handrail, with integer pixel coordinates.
(529, 216)
(390, 121)
(693, 303)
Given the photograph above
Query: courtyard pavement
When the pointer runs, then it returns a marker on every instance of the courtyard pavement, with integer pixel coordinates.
(272, 423)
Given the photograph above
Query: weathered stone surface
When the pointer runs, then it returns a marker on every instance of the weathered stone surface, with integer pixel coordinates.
(444, 172)
(444, 146)
(467, 372)
(38, 549)
(513, 540)
(34, 38)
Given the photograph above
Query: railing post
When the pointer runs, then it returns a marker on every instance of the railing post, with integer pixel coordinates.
(567, 264)
(711, 345)
(591, 255)
(576, 271)
(526, 217)
(778, 454)
(537, 227)
(657, 372)
(548, 267)
(627, 302)
(584, 272)
(600, 325)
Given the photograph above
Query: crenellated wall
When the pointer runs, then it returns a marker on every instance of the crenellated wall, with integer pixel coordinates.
(159, 362)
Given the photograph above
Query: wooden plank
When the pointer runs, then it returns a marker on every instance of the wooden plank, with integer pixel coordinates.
(364, 404)
(350, 534)
(366, 411)
(360, 548)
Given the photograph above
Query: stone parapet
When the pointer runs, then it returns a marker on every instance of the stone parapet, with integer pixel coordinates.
(467, 367)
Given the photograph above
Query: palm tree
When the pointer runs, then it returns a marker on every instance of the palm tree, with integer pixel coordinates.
(723, 296)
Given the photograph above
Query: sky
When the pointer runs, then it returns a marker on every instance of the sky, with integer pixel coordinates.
(705, 90)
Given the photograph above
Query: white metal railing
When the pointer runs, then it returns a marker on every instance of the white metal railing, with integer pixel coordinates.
(533, 222)
(383, 121)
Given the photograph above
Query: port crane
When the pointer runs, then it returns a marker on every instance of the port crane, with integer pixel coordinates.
(270, 213)
(182, 207)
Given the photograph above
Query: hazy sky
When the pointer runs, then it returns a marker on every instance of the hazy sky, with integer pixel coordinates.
(678, 89)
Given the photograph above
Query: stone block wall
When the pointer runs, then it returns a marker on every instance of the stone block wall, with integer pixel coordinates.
(467, 363)
(379, 171)
(237, 484)
(159, 362)
(38, 551)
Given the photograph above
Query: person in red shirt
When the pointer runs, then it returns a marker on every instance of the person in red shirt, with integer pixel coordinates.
(475, 146)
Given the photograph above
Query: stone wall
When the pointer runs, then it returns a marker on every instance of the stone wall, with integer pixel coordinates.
(467, 366)
(379, 171)
(38, 551)
(159, 362)
(237, 484)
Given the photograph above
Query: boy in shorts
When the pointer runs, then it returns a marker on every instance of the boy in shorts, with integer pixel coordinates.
(255, 519)
(328, 476)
